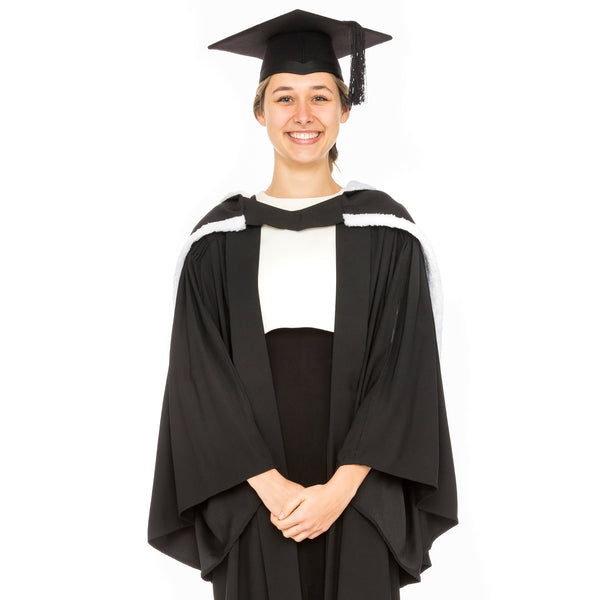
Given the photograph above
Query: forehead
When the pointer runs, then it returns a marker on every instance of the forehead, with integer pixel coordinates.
(295, 81)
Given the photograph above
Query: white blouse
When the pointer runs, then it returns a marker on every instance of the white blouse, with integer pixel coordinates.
(297, 271)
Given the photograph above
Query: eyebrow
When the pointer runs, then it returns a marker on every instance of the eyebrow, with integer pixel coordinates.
(284, 88)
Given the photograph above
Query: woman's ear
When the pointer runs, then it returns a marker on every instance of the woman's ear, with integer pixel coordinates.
(260, 117)
(345, 114)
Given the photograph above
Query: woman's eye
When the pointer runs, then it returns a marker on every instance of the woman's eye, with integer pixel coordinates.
(284, 99)
(321, 98)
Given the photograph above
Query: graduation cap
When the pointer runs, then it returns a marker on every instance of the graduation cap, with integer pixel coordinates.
(303, 42)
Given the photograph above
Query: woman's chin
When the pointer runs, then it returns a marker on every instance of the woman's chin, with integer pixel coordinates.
(304, 158)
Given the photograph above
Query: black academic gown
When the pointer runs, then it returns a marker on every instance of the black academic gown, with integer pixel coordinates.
(219, 423)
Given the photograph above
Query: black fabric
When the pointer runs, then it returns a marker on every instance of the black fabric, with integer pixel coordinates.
(324, 213)
(300, 360)
(300, 52)
(220, 421)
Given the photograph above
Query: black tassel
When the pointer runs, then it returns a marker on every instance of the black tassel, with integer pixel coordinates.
(357, 66)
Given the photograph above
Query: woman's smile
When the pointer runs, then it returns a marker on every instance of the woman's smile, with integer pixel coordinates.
(304, 137)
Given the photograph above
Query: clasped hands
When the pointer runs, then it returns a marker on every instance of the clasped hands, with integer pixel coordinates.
(306, 512)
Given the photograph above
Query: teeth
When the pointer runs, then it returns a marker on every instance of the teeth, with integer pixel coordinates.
(304, 136)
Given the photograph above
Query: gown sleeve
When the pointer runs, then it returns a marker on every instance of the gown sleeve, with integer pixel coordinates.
(400, 427)
(208, 440)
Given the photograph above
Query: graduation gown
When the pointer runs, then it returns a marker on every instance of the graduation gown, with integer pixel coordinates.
(219, 423)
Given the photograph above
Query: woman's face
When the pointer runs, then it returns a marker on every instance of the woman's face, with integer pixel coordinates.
(302, 114)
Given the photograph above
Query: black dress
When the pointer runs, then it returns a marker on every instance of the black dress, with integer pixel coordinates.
(301, 365)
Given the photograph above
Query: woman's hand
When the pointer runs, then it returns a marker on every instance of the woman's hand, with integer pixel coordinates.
(275, 490)
(313, 510)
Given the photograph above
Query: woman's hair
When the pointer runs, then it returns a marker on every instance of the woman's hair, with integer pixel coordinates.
(343, 91)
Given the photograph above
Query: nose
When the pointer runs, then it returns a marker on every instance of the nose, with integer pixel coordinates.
(303, 113)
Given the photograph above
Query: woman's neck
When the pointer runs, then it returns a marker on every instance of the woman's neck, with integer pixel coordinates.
(311, 181)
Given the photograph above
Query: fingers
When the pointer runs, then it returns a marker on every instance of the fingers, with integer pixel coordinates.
(283, 524)
(298, 531)
(295, 532)
(290, 507)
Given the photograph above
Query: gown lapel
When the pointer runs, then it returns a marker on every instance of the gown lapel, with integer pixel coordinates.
(353, 248)
(249, 347)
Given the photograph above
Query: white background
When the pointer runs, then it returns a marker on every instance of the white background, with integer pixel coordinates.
(120, 130)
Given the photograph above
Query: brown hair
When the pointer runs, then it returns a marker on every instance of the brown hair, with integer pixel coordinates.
(259, 100)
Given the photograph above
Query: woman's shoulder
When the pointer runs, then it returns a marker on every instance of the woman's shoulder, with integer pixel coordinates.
(367, 206)
(205, 245)
(364, 203)
(226, 215)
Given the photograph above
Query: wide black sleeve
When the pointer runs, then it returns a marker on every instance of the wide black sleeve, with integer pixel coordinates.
(400, 427)
(208, 440)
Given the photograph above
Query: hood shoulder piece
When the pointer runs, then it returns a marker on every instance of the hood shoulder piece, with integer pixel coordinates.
(227, 215)
(370, 201)
(362, 204)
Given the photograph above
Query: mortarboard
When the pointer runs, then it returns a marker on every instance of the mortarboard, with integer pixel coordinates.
(303, 42)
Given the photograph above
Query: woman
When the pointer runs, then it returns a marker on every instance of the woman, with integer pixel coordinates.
(303, 449)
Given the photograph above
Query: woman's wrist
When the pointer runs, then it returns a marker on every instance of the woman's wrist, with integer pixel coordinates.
(348, 478)
(267, 477)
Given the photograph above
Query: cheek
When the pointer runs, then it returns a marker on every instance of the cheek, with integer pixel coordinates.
(274, 119)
